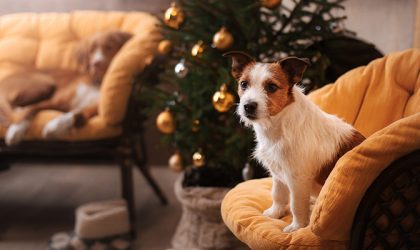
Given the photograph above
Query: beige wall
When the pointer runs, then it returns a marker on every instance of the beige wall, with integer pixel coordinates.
(416, 40)
(10, 6)
(389, 24)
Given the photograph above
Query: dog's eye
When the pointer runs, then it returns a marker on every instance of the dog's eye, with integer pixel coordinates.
(243, 84)
(271, 88)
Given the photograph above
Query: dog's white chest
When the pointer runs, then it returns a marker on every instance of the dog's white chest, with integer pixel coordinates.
(85, 95)
(271, 155)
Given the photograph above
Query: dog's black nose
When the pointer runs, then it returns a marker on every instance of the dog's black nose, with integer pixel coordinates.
(251, 109)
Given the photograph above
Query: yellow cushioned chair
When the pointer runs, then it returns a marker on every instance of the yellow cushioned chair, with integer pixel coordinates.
(382, 100)
(46, 41)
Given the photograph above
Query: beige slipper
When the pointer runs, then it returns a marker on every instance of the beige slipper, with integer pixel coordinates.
(99, 226)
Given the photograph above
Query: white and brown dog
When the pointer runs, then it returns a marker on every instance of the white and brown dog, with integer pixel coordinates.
(296, 141)
(75, 94)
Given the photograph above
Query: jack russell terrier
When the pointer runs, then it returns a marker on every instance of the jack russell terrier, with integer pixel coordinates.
(76, 94)
(297, 142)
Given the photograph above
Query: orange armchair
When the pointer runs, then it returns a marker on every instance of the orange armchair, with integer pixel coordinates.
(46, 41)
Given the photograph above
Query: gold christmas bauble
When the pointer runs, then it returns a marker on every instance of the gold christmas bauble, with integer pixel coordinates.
(198, 49)
(195, 126)
(175, 162)
(174, 17)
(165, 122)
(270, 3)
(198, 159)
(223, 39)
(222, 99)
(164, 47)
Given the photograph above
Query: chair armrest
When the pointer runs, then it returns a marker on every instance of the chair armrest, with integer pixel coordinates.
(336, 206)
(133, 57)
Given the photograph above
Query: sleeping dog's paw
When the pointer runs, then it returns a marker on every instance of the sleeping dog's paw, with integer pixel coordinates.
(59, 126)
(275, 212)
(16, 132)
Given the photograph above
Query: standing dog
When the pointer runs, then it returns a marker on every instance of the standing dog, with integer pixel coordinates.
(296, 141)
(76, 94)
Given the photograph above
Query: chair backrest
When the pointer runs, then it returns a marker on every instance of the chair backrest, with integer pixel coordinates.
(47, 41)
(373, 96)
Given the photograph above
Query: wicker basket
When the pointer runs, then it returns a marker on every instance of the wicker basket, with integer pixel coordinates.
(201, 225)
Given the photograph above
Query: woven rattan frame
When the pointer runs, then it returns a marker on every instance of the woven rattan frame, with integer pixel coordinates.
(388, 216)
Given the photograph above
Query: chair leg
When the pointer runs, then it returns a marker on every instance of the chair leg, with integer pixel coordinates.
(4, 165)
(140, 157)
(149, 178)
(127, 189)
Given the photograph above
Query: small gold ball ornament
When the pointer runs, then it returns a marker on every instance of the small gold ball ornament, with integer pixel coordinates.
(165, 122)
(223, 39)
(164, 47)
(175, 162)
(195, 126)
(198, 159)
(198, 49)
(174, 17)
(222, 99)
(270, 3)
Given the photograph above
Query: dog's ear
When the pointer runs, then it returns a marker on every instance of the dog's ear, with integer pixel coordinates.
(120, 37)
(81, 53)
(294, 68)
(239, 61)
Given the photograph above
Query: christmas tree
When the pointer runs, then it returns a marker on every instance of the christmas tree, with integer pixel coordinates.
(197, 94)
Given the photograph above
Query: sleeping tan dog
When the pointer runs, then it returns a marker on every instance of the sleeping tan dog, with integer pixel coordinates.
(75, 95)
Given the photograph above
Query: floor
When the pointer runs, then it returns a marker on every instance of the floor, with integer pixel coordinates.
(38, 200)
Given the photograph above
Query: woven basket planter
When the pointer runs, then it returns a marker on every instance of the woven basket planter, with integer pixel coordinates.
(201, 225)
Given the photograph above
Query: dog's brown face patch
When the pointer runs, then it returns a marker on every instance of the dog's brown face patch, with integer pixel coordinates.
(108, 43)
(282, 96)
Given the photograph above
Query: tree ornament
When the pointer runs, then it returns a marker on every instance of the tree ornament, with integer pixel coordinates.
(223, 39)
(198, 159)
(175, 162)
(198, 49)
(196, 126)
(263, 40)
(174, 16)
(247, 172)
(222, 99)
(335, 27)
(164, 47)
(181, 69)
(271, 4)
(165, 122)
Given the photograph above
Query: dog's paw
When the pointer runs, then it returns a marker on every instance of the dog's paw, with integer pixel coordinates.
(59, 126)
(16, 132)
(275, 212)
(292, 227)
